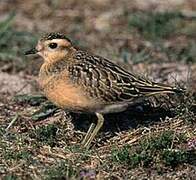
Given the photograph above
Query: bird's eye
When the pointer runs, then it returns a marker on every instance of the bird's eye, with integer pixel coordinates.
(52, 45)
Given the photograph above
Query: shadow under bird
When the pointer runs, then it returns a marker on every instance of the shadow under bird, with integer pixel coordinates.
(80, 81)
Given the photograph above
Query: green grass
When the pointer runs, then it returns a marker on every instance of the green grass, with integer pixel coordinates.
(158, 143)
(185, 52)
(46, 134)
(62, 170)
(24, 155)
(175, 158)
(10, 177)
(186, 108)
(153, 151)
(153, 25)
(13, 43)
(157, 27)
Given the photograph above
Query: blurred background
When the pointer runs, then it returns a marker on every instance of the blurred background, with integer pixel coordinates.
(156, 38)
(150, 37)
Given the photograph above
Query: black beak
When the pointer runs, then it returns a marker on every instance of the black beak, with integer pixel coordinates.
(31, 51)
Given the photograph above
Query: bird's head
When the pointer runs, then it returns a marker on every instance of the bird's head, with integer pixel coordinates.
(52, 47)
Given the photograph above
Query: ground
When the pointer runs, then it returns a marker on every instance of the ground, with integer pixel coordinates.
(152, 140)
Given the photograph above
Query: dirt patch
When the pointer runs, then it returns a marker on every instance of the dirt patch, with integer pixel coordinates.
(14, 84)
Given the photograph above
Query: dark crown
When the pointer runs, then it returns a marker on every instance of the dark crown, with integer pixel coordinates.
(54, 35)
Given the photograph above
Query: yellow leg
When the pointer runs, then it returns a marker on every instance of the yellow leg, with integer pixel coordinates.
(100, 121)
(90, 130)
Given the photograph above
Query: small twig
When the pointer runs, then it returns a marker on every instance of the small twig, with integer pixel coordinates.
(12, 122)
(17, 166)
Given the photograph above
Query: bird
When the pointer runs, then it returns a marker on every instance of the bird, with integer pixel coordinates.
(80, 81)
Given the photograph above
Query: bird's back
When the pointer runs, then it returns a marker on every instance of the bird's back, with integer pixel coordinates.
(104, 79)
(101, 82)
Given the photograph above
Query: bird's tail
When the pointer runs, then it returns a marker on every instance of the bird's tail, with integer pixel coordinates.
(158, 88)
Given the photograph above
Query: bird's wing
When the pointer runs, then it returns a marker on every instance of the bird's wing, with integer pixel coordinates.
(106, 80)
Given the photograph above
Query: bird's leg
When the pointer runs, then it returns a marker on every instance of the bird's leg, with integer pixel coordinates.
(100, 121)
(90, 130)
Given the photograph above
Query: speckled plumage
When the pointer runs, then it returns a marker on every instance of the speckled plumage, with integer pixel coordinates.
(80, 81)
(105, 81)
